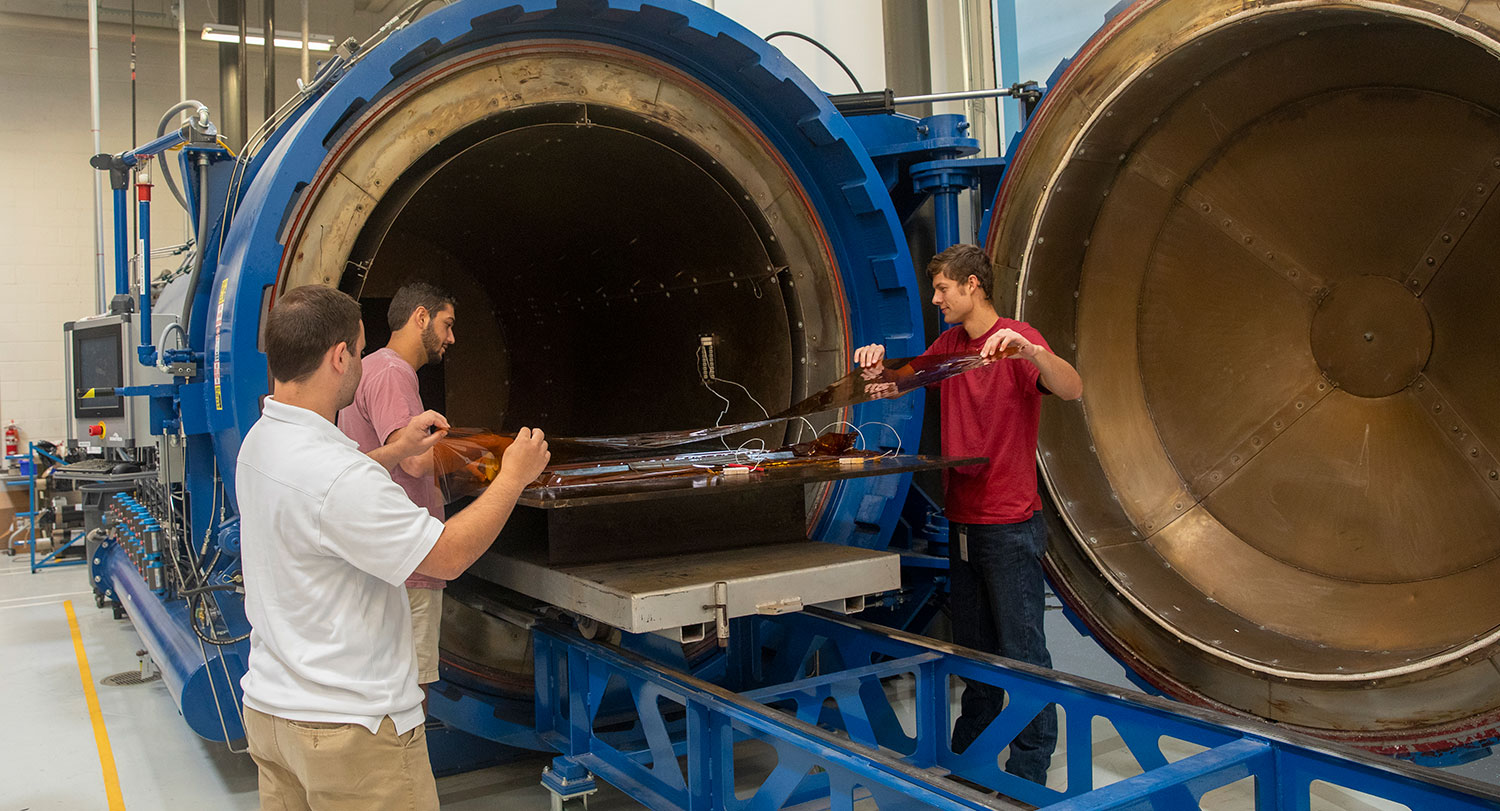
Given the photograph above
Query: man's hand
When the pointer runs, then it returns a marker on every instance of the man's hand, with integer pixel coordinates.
(1057, 375)
(1008, 343)
(526, 457)
(869, 360)
(417, 438)
(419, 435)
(881, 391)
(469, 533)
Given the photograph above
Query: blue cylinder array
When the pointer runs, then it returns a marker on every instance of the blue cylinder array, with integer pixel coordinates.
(140, 537)
(202, 674)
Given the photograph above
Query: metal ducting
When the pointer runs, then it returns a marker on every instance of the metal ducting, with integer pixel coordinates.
(1263, 233)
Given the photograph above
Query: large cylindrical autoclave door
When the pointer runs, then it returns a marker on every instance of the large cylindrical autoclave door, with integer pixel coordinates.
(600, 186)
(1265, 234)
(593, 214)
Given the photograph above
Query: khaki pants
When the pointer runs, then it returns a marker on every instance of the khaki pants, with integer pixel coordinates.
(426, 623)
(308, 766)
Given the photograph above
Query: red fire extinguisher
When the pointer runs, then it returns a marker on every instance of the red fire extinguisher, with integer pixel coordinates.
(12, 439)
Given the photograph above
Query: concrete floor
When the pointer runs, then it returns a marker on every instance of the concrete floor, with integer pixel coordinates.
(50, 761)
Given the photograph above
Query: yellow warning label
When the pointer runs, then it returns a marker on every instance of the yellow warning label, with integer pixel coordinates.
(88, 394)
(218, 348)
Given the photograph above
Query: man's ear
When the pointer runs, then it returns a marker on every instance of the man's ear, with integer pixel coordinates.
(339, 356)
(421, 317)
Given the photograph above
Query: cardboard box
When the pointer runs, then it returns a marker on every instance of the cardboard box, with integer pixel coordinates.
(16, 499)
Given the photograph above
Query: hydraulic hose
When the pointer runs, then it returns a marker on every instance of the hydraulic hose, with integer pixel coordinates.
(161, 129)
(202, 245)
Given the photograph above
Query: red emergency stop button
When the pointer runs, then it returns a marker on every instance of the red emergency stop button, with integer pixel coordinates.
(96, 430)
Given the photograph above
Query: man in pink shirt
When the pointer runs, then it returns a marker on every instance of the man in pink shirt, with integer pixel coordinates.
(421, 317)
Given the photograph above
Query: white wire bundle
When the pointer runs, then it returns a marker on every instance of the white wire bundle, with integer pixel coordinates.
(707, 377)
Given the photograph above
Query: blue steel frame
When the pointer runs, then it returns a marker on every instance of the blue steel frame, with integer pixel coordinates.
(50, 560)
(839, 738)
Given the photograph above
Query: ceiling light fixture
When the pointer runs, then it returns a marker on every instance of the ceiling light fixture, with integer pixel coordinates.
(214, 32)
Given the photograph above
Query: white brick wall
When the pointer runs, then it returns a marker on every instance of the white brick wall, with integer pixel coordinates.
(46, 215)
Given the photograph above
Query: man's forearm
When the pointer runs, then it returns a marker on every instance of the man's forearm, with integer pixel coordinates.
(883, 374)
(1058, 375)
(418, 466)
(468, 534)
(388, 457)
(395, 453)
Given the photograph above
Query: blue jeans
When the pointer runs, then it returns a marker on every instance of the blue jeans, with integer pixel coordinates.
(997, 604)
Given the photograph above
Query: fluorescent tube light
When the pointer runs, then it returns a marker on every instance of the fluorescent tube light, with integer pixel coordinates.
(214, 32)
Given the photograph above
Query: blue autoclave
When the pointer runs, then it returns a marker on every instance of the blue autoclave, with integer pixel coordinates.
(607, 186)
(744, 135)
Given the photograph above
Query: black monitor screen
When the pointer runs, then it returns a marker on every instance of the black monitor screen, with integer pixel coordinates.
(98, 354)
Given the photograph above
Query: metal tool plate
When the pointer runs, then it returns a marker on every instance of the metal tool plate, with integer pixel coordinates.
(663, 594)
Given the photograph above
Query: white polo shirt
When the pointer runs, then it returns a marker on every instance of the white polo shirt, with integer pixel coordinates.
(327, 540)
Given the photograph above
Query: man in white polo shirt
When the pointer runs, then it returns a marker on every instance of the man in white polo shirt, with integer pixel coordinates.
(333, 714)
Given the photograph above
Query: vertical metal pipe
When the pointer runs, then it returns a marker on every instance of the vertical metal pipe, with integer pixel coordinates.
(984, 113)
(133, 139)
(908, 54)
(135, 232)
(269, 7)
(99, 266)
(182, 56)
(306, 57)
(1008, 57)
(231, 82)
(244, 67)
(976, 24)
(187, 216)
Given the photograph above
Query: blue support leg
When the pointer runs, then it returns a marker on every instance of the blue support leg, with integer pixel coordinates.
(569, 782)
(945, 217)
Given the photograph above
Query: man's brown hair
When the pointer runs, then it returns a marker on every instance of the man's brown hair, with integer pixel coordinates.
(304, 323)
(414, 295)
(959, 262)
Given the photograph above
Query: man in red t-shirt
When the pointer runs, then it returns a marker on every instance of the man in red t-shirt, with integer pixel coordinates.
(997, 537)
(421, 318)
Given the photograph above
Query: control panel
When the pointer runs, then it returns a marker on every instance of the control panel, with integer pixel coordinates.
(99, 355)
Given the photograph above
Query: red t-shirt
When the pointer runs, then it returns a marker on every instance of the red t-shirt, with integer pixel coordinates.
(992, 412)
(387, 398)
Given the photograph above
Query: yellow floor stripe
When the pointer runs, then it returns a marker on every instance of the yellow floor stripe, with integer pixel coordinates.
(101, 736)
